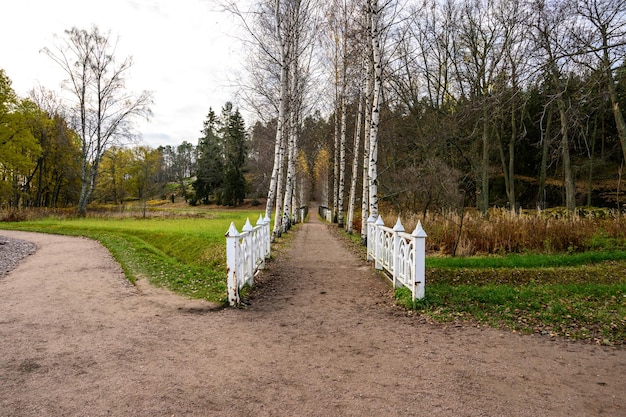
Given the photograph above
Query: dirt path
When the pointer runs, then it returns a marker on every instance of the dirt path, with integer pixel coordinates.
(321, 338)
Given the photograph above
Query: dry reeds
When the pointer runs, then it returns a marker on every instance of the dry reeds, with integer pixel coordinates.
(503, 231)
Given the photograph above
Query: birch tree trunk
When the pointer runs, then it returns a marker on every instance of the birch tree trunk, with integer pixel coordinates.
(272, 195)
(375, 11)
(355, 164)
(291, 148)
(278, 217)
(366, 150)
(336, 147)
(342, 156)
(281, 133)
(368, 69)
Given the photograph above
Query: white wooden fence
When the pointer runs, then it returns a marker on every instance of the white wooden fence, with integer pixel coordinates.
(245, 255)
(325, 213)
(401, 254)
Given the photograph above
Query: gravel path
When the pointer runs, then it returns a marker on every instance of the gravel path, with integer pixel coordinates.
(12, 251)
(321, 338)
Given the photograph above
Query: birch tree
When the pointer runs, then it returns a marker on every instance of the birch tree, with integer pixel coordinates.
(294, 99)
(375, 14)
(367, 108)
(301, 27)
(340, 16)
(279, 35)
(102, 108)
(355, 163)
(275, 191)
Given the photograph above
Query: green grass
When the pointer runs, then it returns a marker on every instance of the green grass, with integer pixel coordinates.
(186, 255)
(578, 311)
(578, 296)
(524, 261)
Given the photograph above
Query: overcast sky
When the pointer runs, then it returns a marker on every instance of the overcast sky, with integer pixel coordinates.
(184, 51)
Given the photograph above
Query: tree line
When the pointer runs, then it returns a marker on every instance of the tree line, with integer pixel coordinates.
(436, 104)
(79, 149)
(420, 105)
(41, 160)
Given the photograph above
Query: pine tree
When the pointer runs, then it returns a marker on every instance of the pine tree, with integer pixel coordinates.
(234, 134)
(210, 174)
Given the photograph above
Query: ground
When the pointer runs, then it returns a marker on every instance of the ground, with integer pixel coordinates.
(320, 338)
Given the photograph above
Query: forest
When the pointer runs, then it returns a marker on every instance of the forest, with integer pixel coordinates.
(418, 105)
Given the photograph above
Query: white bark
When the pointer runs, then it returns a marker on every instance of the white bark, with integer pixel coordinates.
(275, 183)
(282, 33)
(280, 140)
(291, 147)
(355, 164)
(368, 70)
(337, 134)
(342, 159)
(375, 11)
(278, 215)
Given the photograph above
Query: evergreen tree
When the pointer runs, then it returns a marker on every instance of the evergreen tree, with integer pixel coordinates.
(234, 134)
(210, 162)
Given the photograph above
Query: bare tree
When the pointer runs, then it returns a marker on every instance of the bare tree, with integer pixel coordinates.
(481, 52)
(102, 110)
(510, 81)
(550, 26)
(341, 14)
(280, 37)
(603, 35)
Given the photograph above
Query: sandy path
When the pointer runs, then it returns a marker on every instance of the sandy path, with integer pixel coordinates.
(320, 339)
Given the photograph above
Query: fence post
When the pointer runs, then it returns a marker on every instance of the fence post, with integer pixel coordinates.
(419, 280)
(232, 246)
(268, 235)
(396, 251)
(370, 237)
(261, 241)
(247, 229)
(380, 245)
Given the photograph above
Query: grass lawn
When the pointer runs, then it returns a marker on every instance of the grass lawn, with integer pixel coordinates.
(186, 255)
(578, 295)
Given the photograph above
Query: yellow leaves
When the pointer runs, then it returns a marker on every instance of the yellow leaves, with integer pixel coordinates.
(322, 163)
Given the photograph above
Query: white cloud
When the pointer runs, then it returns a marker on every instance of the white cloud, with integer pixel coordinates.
(182, 51)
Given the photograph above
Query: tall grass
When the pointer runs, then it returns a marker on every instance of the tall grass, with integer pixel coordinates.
(504, 232)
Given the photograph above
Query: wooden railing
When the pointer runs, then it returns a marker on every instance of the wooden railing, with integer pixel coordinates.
(399, 253)
(245, 255)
